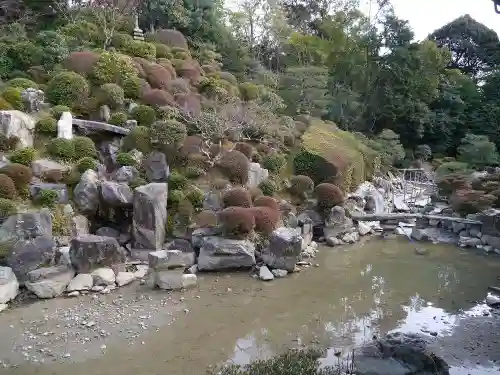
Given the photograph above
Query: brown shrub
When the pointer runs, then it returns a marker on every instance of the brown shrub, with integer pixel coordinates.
(81, 62)
(220, 184)
(145, 87)
(265, 201)
(171, 38)
(158, 98)
(167, 64)
(189, 103)
(237, 221)
(139, 64)
(157, 76)
(206, 219)
(328, 195)
(235, 166)
(245, 148)
(20, 174)
(207, 69)
(266, 219)
(452, 182)
(53, 176)
(264, 149)
(301, 185)
(471, 201)
(237, 197)
(255, 192)
(178, 86)
(7, 187)
(189, 71)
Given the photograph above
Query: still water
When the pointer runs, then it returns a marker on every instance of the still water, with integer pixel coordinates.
(353, 294)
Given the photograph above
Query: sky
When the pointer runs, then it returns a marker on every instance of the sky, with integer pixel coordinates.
(425, 16)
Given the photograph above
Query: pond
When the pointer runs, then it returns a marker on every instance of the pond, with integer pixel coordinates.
(351, 295)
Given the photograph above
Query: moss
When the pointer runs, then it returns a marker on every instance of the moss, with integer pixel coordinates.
(112, 95)
(268, 187)
(61, 148)
(144, 115)
(7, 208)
(13, 96)
(86, 163)
(139, 139)
(196, 197)
(46, 125)
(58, 110)
(22, 83)
(7, 187)
(274, 163)
(23, 156)
(118, 118)
(67, 88)
(125, 159)
(177, 181)
(47, 197)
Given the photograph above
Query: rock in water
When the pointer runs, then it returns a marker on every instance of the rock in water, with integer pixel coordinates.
(492, 300)
(150, 216)
(265, 274)
(285, 246)
(398, 354)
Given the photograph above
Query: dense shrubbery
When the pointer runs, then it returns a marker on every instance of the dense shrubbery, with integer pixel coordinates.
(46, 125)
(23, 156)
(139, 139)
(112, 67)
(237, 221)
(245, 148)
(266, 219)
(301, 185)
(21, 83)
(328, 196)
(235, 166)
(237, 197)
(266, 201)
(118, 118)
(61, 148)
(84, 147)
(144, 115)
(7, 187)
(13, 96)
(67, 88)
(20, 174)
(274, 163)
(125, 159)
(112, 95)
(450, 168)
(7, 208)
(86, 163)
(177, 181)
(268, 187)
(168, 133)
(47, 197)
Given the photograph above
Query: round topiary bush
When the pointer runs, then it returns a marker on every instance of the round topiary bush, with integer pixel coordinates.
(144, 115)
(158, 76)
(266, 201)
(84, 147)
(5, 105)
(245, 148)
(162, 51)
(195, 172)
(301, 185)
(328, 196)
(67, 88)
(158, 98)
(58, 110)
(61, 148)
(7, 187)
(178, 86)
(177, 181)
(13, 96)
(22, 83)
(273, 163)
(206, 219)
(85, 164)
(138, 138)
(141, 49)
(118, 118)
(237, 197)
(46, 125)
(172, 38)
(268, 187)
(124, 159)
(266, 219)
(196, 197)
(248, 91)
(237, 221)
(235, 166)
(20, 174)
(255, 192)
(112, 95)
(81, 62)
(113, 67)
(7, 208)
(47, 198)
(169, 132)
(132, 87)
(175, 197)
(24, 156)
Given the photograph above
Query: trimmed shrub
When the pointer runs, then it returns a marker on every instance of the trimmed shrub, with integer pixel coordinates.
(23, 156)
(158, 98)
(245, 148)
(268, 187)
(20, 174)
(81, 62)
(274, 163)
(121, 41)
(167, 113)
(448, 184)
(195, 172)
(125, 159)
(113, 68)
(71, 177)
(178, 86)
(451, 167)
(177, 181)
(172, 38)
(84, 147)
(266, 219)
(255, 193)
(206, 219)
(13, 96)
(189, 71)
(248, 91)
(314, 166)
(196, 197)
(168, 132)
(471, 201)
(7, 208)
(58, 110)
(5, 105)
(61, 148)
(7, 187)
(138, 138)
(21, 83)
(328, 196)
(301, 185)
(144, 115)
(237, 221)
(118, 118)
(235, 165)
(266, 201)
(162, 51)
(47, 197)
(85, 164)
(237, 197)
(67, 88)
(112, 95)
(46, 125)
(132, 87)
(175, 197)
(141, 49)
(158, 76)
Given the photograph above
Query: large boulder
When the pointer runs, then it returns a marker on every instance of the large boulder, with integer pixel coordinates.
(41, 166)
(285, 246)
(89, 251)
(27, 225)
(170, 259)
(156, 167)
(125, 174)
(18, 124)
(256, 175)
(9, 287)
(116, 193)
(218, 253)
(150, 216)
(49, 282)
(86, 193)
(398, 354)
(337, 223)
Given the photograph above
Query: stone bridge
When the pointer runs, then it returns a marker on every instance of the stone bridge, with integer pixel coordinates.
(87, 126)
(404, 216)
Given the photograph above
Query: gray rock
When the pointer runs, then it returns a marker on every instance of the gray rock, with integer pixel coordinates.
(493, 241)
(124, 278)
(475, 231)
(457, 227)
(174, 280)
(490, 220)
(279, 273)
(27, 225)
(42, 166)
(82, 281)
(61, 189)
(125, 174)
(285, 246)
(49, 282)
(492, 300)
(290, 220)
(28, 255)
(130, 124)
(420, 234)
(350, 237)
(364, 228)
(89, 251)
(213, 201)
(9, 287)
(157, 169)
(79, 225)
(116, 193)
(199, 234)
(18, 124)
(469, 242)
(398, 354)
(170, 259)
(180, 244)
(310, 216)
(107, 232)
(150, 216)
(337, 223)
(32, 99)
(333, 241)
(265, 274)
(217, 253)
(103, 276)
(86, 193)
